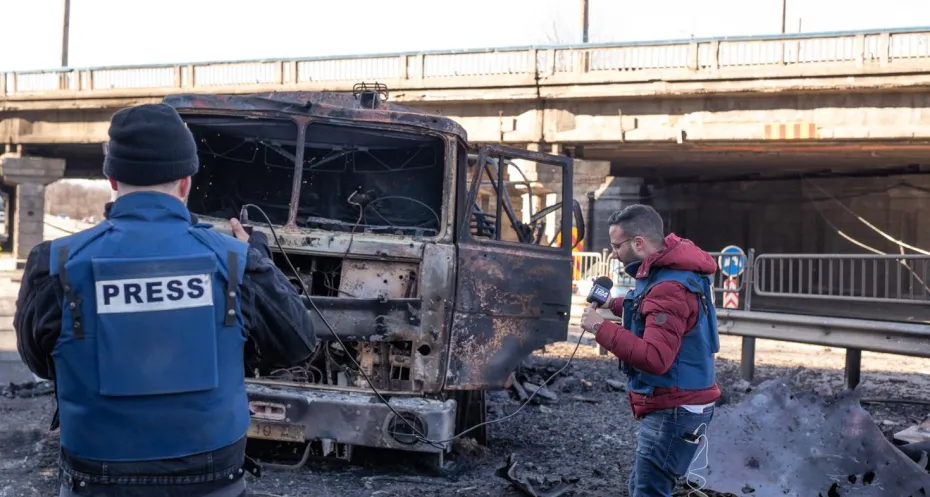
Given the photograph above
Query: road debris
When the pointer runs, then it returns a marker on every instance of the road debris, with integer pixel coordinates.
(509, 473)
(540, 391)
(582, 398)
(28, 389)
(595, 442)
(804, 444)
(616, 385)
(520, 391)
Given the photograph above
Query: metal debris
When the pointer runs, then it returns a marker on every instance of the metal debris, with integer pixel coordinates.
(917, 452)
(28, 389)
(589, 400)
(775, 444)
(509, 473)
(616, 385)
(521, 392)
(540, 391)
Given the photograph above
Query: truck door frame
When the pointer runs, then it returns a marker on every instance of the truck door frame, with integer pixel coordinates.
(510, 300)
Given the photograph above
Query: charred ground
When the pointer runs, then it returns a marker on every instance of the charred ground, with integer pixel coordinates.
(582, 437)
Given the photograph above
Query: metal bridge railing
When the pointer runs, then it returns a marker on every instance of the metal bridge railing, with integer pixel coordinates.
(859, 278)
(800, 55)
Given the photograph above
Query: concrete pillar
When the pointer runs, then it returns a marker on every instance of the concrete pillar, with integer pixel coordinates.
(30, 175)
(589, 177)
(613, 195)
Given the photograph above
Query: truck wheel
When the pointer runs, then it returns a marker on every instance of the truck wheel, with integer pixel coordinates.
(471, 410)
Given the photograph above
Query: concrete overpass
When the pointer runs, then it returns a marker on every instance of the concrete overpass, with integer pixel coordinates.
(750, 106)
(855, 99)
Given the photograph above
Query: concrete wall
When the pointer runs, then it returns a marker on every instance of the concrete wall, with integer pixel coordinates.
(783, 217)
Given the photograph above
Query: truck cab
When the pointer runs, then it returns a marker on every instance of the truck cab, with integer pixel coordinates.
(431, 268)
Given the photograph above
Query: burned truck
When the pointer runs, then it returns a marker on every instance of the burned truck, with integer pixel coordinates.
(431, 269)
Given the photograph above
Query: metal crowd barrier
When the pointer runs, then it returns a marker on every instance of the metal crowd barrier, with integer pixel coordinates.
(590, 265)
(857, 278)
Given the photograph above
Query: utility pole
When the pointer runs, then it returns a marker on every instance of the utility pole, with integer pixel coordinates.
(784, 12)
(584, 21)
(65, 28)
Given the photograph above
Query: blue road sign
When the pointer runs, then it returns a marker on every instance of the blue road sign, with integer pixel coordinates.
(732, 261)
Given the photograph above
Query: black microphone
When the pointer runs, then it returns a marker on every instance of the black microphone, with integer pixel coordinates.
(600, 292)
(244, 220)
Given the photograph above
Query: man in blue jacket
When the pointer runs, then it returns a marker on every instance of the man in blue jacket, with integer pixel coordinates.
(143, 322)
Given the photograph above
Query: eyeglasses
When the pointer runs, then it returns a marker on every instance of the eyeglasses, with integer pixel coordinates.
(617, 246)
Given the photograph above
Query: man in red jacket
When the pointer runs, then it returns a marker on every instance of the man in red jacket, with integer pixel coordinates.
(666, 346)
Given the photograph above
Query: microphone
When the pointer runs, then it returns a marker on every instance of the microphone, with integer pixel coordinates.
(600, 292)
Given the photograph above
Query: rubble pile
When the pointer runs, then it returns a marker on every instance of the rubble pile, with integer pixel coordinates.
(566, 383)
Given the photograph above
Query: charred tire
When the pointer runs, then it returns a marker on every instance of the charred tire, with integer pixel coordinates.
(471, 410)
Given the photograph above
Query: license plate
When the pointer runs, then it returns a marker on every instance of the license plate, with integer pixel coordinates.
(283, 432)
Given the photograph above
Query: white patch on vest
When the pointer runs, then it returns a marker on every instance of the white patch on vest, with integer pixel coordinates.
(154, 294)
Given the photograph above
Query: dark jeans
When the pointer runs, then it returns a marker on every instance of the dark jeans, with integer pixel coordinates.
(668, 442)
(196, 475)
(237, 489)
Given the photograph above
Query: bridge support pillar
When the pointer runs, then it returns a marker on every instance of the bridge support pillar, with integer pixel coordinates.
(613, 194)
(29, 175)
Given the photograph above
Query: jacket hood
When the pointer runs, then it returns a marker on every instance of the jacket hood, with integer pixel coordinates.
(679, 254)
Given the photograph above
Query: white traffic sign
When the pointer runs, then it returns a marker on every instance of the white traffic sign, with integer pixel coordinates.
(730, 294)
(732, 261)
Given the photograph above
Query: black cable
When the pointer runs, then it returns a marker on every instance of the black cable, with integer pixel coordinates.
(401, 197)
(417, 433)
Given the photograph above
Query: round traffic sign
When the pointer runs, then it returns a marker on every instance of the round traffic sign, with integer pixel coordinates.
(732, 261)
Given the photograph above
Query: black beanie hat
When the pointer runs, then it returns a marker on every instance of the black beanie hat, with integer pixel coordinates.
(149, 145)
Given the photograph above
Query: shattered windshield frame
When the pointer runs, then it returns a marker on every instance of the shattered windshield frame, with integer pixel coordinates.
(355, 177)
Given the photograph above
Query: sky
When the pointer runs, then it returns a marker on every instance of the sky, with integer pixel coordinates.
(133, 32)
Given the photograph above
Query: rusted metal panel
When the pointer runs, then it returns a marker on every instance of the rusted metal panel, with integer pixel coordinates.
(376, 279)
(776, 443)
(353, 419)
(328, 105)
(437, 293)
(369, 319)
(510, 302)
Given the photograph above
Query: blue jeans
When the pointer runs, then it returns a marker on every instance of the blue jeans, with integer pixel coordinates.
(668, 442)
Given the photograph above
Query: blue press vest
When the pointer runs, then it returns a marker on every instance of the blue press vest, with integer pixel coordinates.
(693, 368)
(149, 364)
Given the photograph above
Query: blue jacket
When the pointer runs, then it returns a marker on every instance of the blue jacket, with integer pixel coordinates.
(150, 358)
(693, 368)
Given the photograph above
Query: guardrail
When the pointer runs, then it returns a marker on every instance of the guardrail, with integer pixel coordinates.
(845, 52)
(855, 335)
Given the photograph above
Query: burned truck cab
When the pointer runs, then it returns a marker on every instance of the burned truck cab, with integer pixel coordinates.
(430, 270)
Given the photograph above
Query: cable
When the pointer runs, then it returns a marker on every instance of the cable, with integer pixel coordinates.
(417, 433)
(401, 197)
(698, 488)
(870, 225)
(859, 244)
